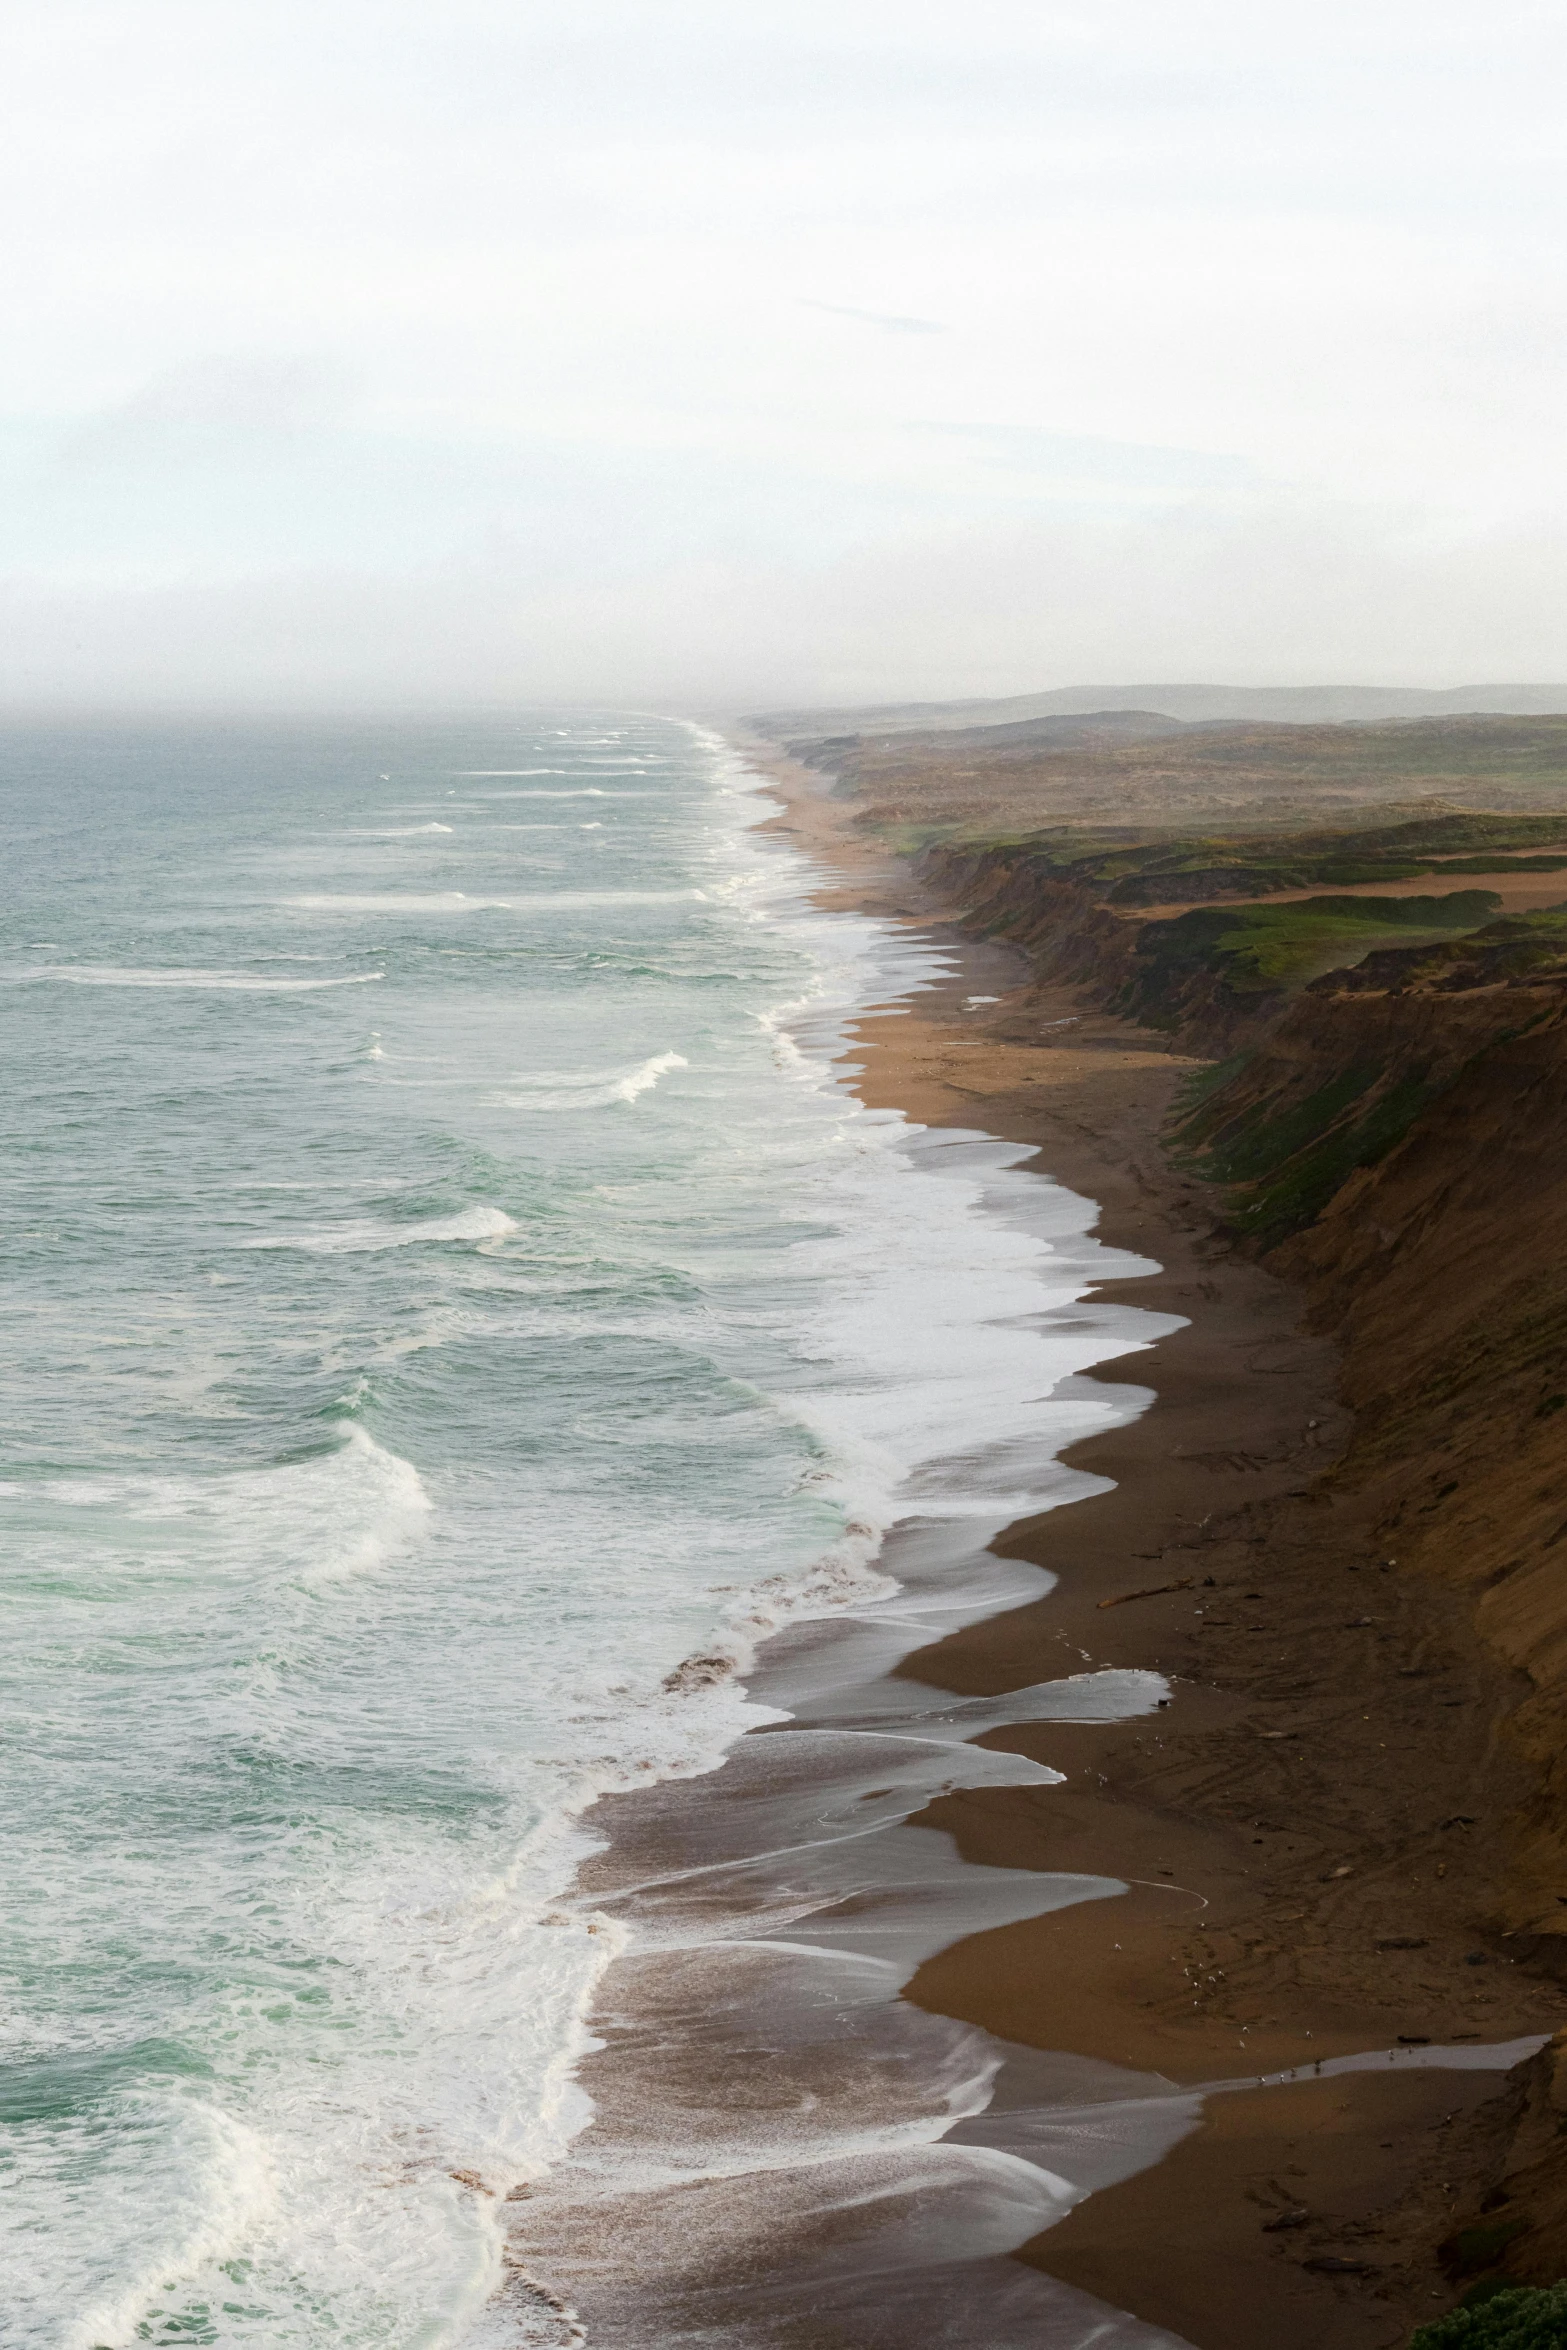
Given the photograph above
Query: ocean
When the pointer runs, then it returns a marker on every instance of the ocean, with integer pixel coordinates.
(457, 1310)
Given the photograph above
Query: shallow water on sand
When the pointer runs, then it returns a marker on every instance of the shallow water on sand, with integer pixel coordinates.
(457, 1315)
(455, 1312)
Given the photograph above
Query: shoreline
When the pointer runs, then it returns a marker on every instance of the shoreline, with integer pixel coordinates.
(770, 2118)
(1123, 2037)
(1273, 1795)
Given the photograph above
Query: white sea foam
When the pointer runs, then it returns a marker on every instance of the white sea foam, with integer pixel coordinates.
(476, 1224)
(359, 1693)
(456, 901)
(590, 1089)
(342, 1508)
(263, 982)
(225, 2192)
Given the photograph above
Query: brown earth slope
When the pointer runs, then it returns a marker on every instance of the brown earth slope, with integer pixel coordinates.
(1391, 1137)
(1442, 1269)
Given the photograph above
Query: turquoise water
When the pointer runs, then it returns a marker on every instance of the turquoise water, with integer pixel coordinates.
(452, 1313)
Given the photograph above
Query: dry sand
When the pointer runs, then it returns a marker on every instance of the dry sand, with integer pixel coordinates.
(1308, 1831)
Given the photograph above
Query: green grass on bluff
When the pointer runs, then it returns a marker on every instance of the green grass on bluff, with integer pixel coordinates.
(1514, 2317)
(1158, 870)
(1517, 950)
(1255, 950)
(1284, 1144)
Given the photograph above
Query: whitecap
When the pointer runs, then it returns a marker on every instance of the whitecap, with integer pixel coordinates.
(446, 901)
(456, 901)
(228, 2190)
(592, 1089)
(109, 975)
(478, 1224)
(302, 1523)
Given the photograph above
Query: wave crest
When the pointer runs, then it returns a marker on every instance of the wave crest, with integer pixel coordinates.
(478, 1224)
(593, 1090)
(110, 975)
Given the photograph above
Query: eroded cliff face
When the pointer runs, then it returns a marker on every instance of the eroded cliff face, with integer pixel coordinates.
(1393, 1140)
(1442, 1269)
(1074, 935)
(1401, 1153)
(1217, 974)
(1067, 930)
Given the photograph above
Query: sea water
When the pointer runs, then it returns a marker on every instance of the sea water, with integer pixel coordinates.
(455, 1311)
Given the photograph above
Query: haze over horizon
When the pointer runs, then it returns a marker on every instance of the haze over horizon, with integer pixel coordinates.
(834, 355)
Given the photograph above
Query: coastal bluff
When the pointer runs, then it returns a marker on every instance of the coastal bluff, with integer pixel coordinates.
(1348, 943)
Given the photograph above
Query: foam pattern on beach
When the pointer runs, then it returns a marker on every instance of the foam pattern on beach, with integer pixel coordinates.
(419, 1430)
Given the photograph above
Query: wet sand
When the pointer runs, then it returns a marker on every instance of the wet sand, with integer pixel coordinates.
(1311, 1830)
(859, 2085)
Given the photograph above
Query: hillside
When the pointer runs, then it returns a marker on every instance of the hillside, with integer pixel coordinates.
(995, 781)
(1382, 1121)
(1288, 705)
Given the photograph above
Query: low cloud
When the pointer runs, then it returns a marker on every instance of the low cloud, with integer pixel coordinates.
(219, 392)
(888, 321)
(1286, 596)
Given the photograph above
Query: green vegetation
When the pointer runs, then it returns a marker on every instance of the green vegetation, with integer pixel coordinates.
(1262, 950)
(1286, 1153)
(1284, 1131)
(1271, 792)
(1499, 865)
(1155, 871)
(1518, 2317)
(1288, 1161)
(1251, 1149)
(1517, 949)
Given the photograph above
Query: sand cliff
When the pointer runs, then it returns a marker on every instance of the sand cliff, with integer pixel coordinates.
(1392, 1140)
(1292, 1010)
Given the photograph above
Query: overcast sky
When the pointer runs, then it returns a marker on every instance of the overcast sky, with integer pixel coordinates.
(725, 351)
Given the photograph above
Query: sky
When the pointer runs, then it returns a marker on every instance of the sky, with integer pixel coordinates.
(730, 353)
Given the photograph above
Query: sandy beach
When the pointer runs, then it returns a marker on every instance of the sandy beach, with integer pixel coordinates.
(784, 964)
(1220, 1804)
(1309, 1833)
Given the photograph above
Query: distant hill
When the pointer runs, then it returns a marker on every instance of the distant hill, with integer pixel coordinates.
(1289, 705)
(1120, 769)
(1092, 730)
